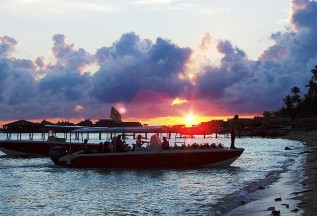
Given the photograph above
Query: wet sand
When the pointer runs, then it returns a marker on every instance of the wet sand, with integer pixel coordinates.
(308, 194)
(295, 193)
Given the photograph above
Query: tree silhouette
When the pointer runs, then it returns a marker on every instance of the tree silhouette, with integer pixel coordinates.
(295, 105)
(296, 97)
(314, 72)
(312, 89)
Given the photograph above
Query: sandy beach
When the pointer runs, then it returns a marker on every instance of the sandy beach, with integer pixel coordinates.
(308, 195)
(295, 193)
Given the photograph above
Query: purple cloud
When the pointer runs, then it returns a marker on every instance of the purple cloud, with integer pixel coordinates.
(67, 56)
(132, 64)
(7, 45)
(240, 84)
(16, 81)
(234, 67)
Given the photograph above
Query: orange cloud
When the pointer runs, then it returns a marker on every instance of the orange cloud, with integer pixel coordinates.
(179, 101)
(79, 108)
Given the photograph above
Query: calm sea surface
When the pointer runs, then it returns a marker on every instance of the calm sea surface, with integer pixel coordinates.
(35, 186)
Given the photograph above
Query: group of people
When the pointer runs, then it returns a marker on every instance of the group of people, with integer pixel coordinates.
(199, 146)
(119, 146)
(116, 145)
(139, 142)
(104, 147)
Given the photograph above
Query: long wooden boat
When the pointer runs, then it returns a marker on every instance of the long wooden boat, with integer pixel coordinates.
(32, 147)
(149, 159)
(153, 156)
(19, 148)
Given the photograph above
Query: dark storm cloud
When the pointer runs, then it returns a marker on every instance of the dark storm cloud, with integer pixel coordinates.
(67, 56)
(127, 67)
(244, 85)
(16, 81)
(35, 90)
(132, 64)
(166, 62)
(304, 14)
(305, 21)
(294, 53)
(65, 81)
(234, 67)
(64, 84)
(3, 76)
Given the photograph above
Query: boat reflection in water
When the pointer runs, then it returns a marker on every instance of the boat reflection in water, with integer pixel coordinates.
(151, 156)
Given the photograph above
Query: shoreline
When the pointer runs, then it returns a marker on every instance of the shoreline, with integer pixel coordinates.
(308, 194)
(295, 192)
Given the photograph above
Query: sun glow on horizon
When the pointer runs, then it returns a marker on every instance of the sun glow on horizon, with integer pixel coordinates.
(190, 120)
(181, 120)
(166, 120)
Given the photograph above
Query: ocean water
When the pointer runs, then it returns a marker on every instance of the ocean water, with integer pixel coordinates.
(35, 186)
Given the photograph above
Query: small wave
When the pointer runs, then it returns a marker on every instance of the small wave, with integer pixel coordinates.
(243, 196)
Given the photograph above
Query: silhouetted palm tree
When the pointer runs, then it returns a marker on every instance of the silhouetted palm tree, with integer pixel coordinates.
(312, 89)
(295, 105)
(296, 97)
(310, 99)
(288, 102)
(314, 72)
(295, 90)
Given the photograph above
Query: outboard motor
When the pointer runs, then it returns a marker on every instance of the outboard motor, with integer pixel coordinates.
(57, 152)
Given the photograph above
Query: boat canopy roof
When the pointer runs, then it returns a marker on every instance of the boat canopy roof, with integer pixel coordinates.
(141, 129)
(64, 126)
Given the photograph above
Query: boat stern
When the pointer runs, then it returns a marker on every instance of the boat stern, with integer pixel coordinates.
(57, 152)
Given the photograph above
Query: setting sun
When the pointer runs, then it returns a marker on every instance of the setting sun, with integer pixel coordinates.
(189, 120)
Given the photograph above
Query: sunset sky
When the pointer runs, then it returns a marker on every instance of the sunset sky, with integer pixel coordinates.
(156, 61)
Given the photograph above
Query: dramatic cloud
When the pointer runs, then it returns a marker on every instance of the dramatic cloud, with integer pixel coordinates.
(234, 67)
(239, 84)
(132, 64)
(16, 81)
(150, 79)
(7, 45)
(67, 57)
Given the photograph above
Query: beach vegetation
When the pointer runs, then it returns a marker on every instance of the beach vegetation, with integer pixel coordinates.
(296, 105)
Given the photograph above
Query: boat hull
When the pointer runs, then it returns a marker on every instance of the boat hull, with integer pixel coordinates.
(162, 159)
(35, 148)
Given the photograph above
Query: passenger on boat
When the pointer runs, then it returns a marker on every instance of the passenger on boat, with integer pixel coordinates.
(233, 130)
(119, 144)
(85, 146)
(139, 142)
(176, 147)
(100, 147)
(220, 145)
(165, 144)
(155, 143)
(106, 146)
(113, 144)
